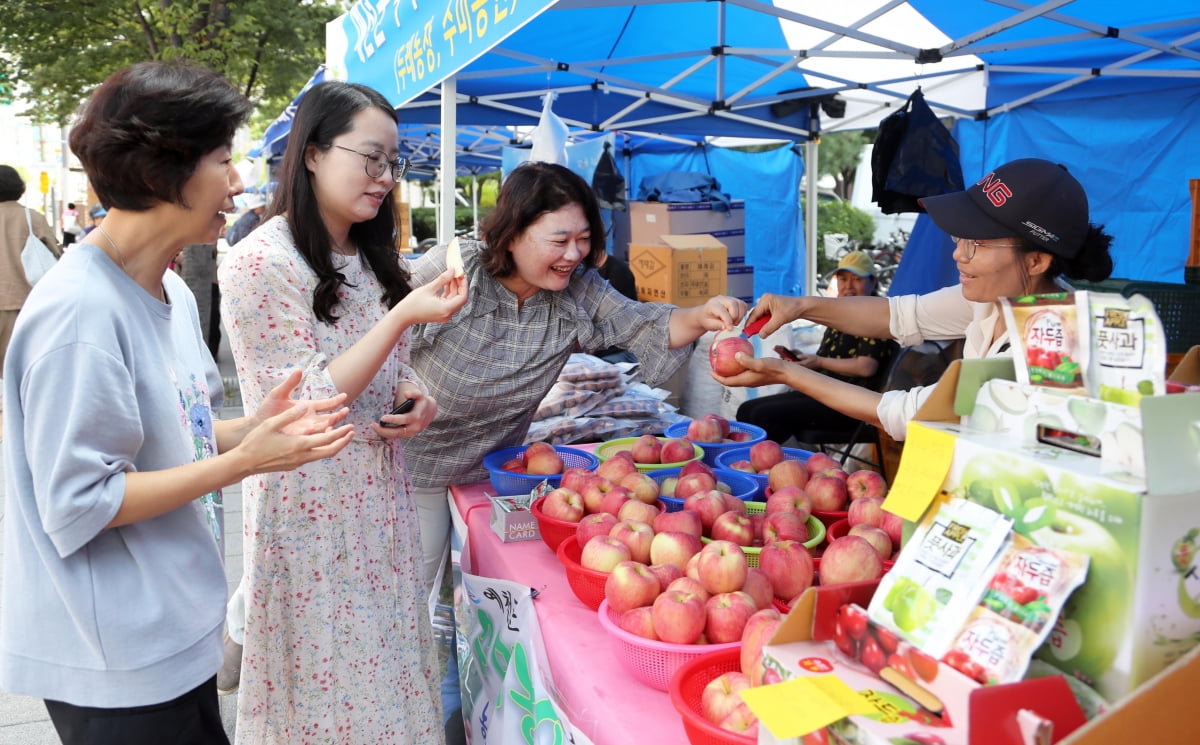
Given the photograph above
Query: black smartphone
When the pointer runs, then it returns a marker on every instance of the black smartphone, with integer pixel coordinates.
(404, 407)
(785, 353)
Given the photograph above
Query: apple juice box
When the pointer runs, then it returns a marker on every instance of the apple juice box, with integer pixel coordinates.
(1139, 609)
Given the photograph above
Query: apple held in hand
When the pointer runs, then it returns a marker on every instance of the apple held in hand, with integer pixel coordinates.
(726, 616)
(563, 504)
(647, 449)
(630, 585)
(789, 566)
(722, 567)
(636, 536)
(671, 547)
(720, 697)
(603, 552)
(764, 454)
(542, 459)
(864, 483)
(722, 355)
(850, 558)
(599, 523)
(678, 617)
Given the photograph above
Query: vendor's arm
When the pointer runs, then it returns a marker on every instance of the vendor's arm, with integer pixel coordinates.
(850, 399)
(718, 314)
(862, 366)
(868, 316)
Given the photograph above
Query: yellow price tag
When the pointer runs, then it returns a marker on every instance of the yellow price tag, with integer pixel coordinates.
(798, 706)
(923, 468)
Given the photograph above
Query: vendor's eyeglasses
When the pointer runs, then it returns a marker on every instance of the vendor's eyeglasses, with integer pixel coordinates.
(377, 163)
(973, 245)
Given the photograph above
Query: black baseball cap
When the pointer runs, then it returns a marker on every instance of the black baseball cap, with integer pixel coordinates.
(1031, 198)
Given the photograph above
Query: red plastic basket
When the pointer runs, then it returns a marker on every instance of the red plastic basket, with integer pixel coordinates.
(687, 689)
(838, 528)
(829, 517)
(783, 607)
(651, 662)
(587, 584)
(553, 530)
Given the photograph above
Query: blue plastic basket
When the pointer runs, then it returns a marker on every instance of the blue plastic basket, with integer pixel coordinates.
(507, 482)
(744, 487)
(726, 459)
(713, 449)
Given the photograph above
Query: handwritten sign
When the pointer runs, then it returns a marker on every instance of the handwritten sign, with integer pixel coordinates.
(402, 48)
(801, 705)
(927, 456)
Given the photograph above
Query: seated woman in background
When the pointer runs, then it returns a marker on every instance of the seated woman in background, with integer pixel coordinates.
(859, 360)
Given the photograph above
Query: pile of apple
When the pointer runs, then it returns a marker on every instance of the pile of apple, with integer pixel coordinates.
(538, 458)
(712, 429)
(649, 449)
(720, 700)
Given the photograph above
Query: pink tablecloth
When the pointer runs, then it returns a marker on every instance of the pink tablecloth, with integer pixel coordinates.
(599, 695)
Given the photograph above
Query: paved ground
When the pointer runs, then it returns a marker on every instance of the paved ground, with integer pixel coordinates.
(23, 720)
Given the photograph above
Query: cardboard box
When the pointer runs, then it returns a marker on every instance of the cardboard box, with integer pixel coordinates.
(685, 270)
(739, 282)
(1134, 509)
(512, 520)
(735, 245)
(649, 220)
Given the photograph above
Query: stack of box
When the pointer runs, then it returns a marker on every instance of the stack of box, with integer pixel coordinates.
(640, 236)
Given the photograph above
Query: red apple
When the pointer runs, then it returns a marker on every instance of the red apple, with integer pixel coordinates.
(828, 493)
(599, 523)
(850, 558)
(694, 483)
(647, 449)
(513, 465)
(758, 587)
(709, 505)
(564, 504)
(721, 355)
(790, 499)
(789, 566)
(787, 473)
(877, 537)
(704, 430)
(720, 697)
(739, 435)
(839, 473)
(759, 630)
(673, 547)
(642, 487)
(764, 454)
(630, 585)
(732, 527)
(743, 465)
(732, 503)
(666, 487)
(692, 569)
(678, 450)
(866, 511)
(594, 493)
(541, 458)
(631, 509)
(666, 574)
(682, 521)
(785, 526)
(615, 499)
(893, 525)
(864, 483)
(603, 552)
(691, 585)
(722, 567)
(819, 461)
(727, 614)
(636, 536)
(678, 617)
(741, 720)
(697, 466)
(615, 468)
(577, 478)
(638, 621)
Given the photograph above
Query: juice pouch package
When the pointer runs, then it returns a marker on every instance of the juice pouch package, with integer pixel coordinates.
(1049, 339)
(1017, 612)
(1128, 354)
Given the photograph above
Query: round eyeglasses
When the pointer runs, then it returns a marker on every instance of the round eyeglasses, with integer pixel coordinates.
(973, 245)
(377, 163)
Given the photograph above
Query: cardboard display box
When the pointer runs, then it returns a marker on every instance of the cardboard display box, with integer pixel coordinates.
(685, 270)
(649, 220)
(739, 282)
(735, 245)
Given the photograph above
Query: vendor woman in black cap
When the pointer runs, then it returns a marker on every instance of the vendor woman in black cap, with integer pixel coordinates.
(1016, 232)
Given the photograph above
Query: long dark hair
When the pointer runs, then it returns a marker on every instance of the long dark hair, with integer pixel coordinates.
(326, 111)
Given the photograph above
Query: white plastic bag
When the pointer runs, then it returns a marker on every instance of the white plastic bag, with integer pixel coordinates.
(36, 258)
(549, 136)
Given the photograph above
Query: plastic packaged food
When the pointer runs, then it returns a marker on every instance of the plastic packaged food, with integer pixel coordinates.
(1049, 340)
(1128, 349)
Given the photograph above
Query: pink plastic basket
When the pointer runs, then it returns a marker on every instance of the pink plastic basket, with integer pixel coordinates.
(651, 662)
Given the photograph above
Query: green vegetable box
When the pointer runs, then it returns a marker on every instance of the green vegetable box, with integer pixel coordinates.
(1118, 483)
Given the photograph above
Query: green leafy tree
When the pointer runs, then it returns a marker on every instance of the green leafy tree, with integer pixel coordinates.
(838, 156)
(54, 52)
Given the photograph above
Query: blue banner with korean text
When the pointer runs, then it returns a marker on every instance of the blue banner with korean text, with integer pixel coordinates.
(402, 48)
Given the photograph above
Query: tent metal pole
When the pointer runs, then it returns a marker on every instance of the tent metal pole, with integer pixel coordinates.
(810, 215)
(449, 110)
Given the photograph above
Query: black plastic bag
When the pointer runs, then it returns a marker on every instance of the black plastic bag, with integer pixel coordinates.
(914, 156)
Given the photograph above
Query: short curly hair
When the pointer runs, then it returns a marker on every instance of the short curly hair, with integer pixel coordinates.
(12, 186)
(142, 132)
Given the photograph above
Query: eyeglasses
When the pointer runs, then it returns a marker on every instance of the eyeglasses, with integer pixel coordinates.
(377, 163)
(973, 245)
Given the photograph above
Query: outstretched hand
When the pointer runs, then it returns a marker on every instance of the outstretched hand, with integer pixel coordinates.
(781, 309)
(722, 313)
(438, 300)
(758, 371)
(286, 433)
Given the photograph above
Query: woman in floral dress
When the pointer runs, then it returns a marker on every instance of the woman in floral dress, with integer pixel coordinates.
(338, 646)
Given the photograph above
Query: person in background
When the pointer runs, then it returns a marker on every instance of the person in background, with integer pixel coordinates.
(70, 224)
(1017, 230)
(96, 215)
(338, 645)
(854, 359)
(256, 204)
(113, 563)
(616, 270)
(14, 229)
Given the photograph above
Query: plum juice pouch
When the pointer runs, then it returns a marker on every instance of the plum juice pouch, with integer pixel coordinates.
(1128, 355)
(1048, 338)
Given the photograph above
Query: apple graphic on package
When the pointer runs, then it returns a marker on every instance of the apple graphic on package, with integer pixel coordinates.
(631, 509)
(697, 466)
(616, 467)
(790, 499)
(722, 422)
(647, 449)
(788, 473)
(598, 523)
(615, 499)
(678, 450)
(642, 487)
(672, 547)
(758, 587)
(877, 537)
(594, 493)
(563, 504)
(630, 585)
(764, 454)
(1004, 482)
(720, 697)
(789, 566)
(602, 553)
(704, 430)
(730, 526)
(866, 511)
(726, 616)
(828, 493)
(722, 355)
(694, 483)
(722, 566)
(759, 630)
(636, 536)
(819, 461)
(541, 458)
(784, 526)
(708, 505)
(665, 574)
(850, 558)
(864, 483)
(681, 521)
(678, 617)
(638, 621)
